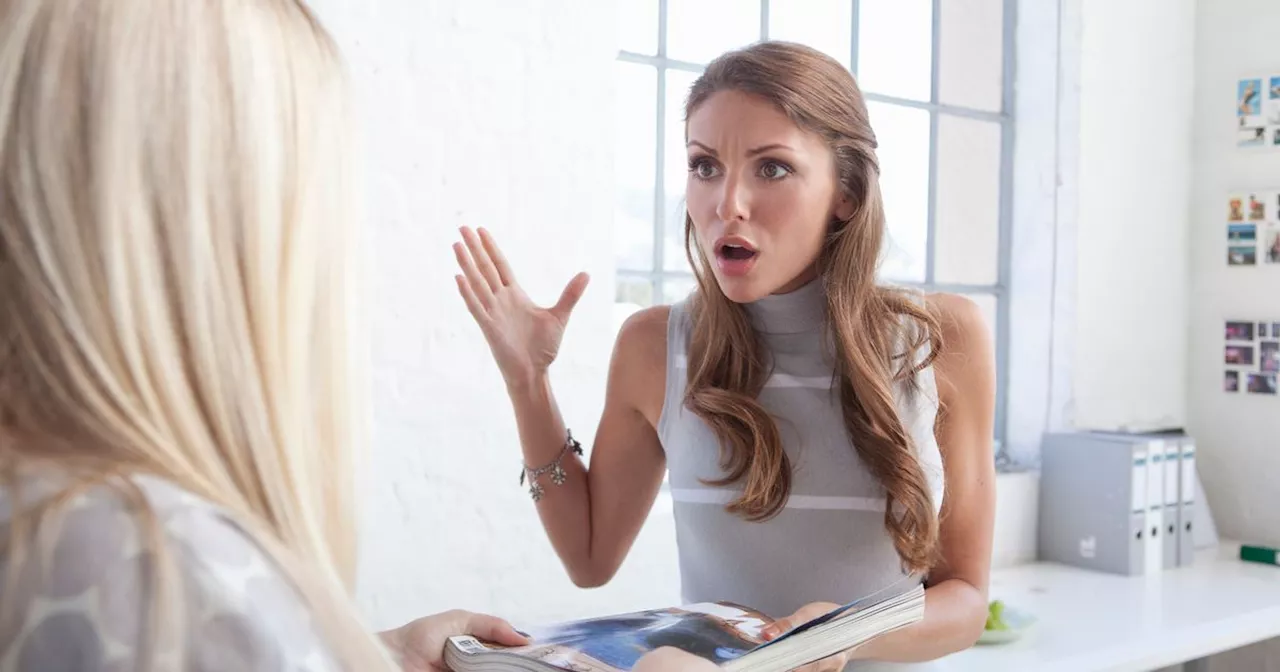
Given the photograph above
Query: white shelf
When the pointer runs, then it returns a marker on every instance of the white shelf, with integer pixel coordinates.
(1090, 621)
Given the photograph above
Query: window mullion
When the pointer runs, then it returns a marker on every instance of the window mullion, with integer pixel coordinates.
(931, 226)
(1004, 256)
(853, 39)
(659, 169)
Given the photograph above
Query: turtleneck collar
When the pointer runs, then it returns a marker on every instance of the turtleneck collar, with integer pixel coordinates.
(800, 311)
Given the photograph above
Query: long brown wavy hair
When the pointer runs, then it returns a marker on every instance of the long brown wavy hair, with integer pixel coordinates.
(876, 331)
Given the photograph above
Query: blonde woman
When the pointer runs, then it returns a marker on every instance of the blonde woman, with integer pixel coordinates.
(180, 404)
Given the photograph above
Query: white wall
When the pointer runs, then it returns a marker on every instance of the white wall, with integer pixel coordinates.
(1100, 234)
(1134, 171)
(1238, 436)
(1240, 460)
(494, 113)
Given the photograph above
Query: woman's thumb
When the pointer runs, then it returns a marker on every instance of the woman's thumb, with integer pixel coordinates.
(570, 296)
(494, 629)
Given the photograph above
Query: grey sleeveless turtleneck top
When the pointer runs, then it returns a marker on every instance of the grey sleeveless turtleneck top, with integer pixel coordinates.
(829, 544)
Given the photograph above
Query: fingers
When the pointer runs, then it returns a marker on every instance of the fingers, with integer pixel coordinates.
(482, 259)
(478, 285)
(570, 296)
(802, 615)
(494, 629)
(505, 276)
(773, 630)
(469, 297)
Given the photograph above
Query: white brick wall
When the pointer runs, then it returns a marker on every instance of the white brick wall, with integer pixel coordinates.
(494, 113)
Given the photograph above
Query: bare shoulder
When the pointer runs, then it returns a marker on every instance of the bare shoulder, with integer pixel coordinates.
(644, 333)
(966, 363)
(638, 373)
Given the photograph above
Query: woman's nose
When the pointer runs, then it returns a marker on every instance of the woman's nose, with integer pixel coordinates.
(734, 198)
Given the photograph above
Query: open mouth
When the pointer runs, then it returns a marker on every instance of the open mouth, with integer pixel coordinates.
(735, 256)
(735, 251)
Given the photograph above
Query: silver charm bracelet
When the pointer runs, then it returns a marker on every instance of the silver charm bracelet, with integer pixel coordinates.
(558, 474)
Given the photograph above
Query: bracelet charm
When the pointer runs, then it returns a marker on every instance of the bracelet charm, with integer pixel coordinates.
(558, 474)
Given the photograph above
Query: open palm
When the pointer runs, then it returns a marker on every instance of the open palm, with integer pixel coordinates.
(523, 337)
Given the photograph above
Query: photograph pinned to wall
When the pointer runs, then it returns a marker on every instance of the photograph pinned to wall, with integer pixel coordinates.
(1262, 383)
(1269, 356)
(1273, 111)
(1238, 355)
(1242, 255)
(1271, 243)
(1257, 111)
(1240, 331)
(1251, 357)
(1252, 131)
(1257, 208)
(1235, 208)
(1242, 233)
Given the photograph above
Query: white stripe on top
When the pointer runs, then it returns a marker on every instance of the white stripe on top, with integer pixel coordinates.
(782, 380)
(721, 497)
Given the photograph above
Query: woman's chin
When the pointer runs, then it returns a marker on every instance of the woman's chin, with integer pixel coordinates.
(740, 289)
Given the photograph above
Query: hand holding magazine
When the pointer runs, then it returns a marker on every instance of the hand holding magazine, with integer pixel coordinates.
(724, 633)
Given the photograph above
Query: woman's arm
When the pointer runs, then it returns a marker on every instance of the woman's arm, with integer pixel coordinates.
(956, 597)
(594, 517)
(956, 593)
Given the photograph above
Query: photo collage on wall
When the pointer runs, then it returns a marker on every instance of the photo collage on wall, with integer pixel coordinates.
(1253, 228)
(1258, 111)
(1251, 357)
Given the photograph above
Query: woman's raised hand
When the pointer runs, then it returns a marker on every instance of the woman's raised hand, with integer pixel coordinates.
(524, 338)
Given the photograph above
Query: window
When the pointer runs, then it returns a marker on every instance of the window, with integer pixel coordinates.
(937, 79)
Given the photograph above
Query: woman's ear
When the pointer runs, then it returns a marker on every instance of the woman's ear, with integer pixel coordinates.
(844, 208)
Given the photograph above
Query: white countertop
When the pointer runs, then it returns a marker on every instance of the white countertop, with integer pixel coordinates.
(1089, 621)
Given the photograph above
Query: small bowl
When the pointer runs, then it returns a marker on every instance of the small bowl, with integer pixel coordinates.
(1018, 621)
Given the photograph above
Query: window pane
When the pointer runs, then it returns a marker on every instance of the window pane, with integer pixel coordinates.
(700, 30)
(675, 169)
(895, 47)
(971, 42)
(824, 25)
(677, 288)
(635, 138)
(987, 305)
(903, 135)
(638, 26)
(632, 295)
(967, 237)
(634, 291)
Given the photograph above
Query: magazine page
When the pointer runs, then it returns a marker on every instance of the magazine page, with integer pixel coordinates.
(718, 632)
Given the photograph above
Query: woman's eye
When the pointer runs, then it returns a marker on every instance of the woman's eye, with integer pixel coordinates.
(773, 170)
(702, 169)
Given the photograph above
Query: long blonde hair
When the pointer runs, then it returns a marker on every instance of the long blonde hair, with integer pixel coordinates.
(177, 274)
(877, 331)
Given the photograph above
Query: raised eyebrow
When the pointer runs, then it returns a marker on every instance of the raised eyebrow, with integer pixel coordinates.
(709, 150)
(767, 148)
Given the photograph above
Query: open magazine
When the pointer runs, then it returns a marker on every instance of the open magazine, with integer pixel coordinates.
(724, 633)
